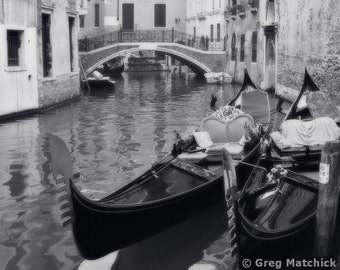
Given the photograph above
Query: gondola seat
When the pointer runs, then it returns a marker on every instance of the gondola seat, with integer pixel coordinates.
(218, 134)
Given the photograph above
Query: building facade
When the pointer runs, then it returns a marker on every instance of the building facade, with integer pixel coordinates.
(40, 54)
(308, 39)
(130, 15)
(205, 20)
(250, 44)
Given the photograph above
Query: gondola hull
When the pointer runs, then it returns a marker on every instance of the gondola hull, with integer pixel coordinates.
(169, 192)
(98, 231)
(274, 211)
(100, 228)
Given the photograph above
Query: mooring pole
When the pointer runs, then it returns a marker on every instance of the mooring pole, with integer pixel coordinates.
(230, 189)
(328, 198)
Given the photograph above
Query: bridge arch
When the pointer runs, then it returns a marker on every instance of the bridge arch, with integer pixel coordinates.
(197, 66)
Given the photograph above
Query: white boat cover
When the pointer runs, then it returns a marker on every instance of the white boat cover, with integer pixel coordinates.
(295, 132)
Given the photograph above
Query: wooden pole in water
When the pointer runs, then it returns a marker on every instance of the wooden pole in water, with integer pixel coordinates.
(328, 198)
(230, 189)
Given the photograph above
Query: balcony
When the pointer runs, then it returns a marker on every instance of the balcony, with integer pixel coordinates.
(230, 12)
(241, 11)
(254, 6)
(201, 15)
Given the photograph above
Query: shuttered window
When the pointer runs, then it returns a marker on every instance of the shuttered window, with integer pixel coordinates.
(160, 15)
(233, 48)
(243, 37)
(96, 15)
(254, 47)
(81, 21)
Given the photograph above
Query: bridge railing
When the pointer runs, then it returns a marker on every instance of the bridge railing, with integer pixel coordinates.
(157, 35)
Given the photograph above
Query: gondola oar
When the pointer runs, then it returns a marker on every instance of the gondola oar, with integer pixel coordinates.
(62, 165)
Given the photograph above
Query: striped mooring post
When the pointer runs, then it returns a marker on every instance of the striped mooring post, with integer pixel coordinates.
(329, 184)
(230, 188)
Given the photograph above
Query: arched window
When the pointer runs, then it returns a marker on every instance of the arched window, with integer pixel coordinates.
(233, 48)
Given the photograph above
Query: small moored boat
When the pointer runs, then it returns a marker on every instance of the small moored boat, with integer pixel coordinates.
(97, 79)
(174, 188)
(218, 77)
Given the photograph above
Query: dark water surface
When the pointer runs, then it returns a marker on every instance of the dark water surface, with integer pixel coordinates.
(113, 137)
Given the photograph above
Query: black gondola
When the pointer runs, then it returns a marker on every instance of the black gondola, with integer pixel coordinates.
(311, 103)
(276, 206)
(272, 209)
(169, 192)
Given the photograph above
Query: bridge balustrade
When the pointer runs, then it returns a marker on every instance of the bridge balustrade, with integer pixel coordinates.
(157, 35)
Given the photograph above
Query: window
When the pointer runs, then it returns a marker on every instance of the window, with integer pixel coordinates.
(218, 32)
(242, 48)
(46, 45)
(255, 3)
(81, 21)
(254, 47)
(233, 48)
(160, 15)
(212, 32)
(96, 15)
(14, 50)
(71, 39)
(194, 32)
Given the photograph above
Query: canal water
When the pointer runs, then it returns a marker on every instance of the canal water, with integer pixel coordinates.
(114, 135)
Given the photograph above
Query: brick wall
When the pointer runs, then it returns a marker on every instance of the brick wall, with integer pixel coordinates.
(56, 91)
(308, 36)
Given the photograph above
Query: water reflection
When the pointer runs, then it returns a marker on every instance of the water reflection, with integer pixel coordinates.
(113, 136)
(185, 244)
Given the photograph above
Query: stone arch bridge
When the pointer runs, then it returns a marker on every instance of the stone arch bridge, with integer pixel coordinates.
(108, 46)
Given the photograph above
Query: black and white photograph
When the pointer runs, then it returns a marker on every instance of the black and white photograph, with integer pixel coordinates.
(169, 134)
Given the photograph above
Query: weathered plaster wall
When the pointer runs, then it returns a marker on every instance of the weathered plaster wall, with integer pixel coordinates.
(64, 83)
(108, 18)
(144, 13)
(18, 88)
(308, 36)
(63, 88)
(202, 15)
(247, 25)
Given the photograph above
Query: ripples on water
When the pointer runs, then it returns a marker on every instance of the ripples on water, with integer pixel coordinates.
(113, 136)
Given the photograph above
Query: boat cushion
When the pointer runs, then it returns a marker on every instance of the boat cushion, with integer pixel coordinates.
(97, 75)
(214, 153)
(203, 139)
(193, 157)
(223, 129)
(294, 133)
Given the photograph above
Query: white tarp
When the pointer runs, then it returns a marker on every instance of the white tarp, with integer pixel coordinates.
(297, 132)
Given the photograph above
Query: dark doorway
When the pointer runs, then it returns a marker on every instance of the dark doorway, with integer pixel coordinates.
(71, 38)
(46, 45)
(128, 17)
